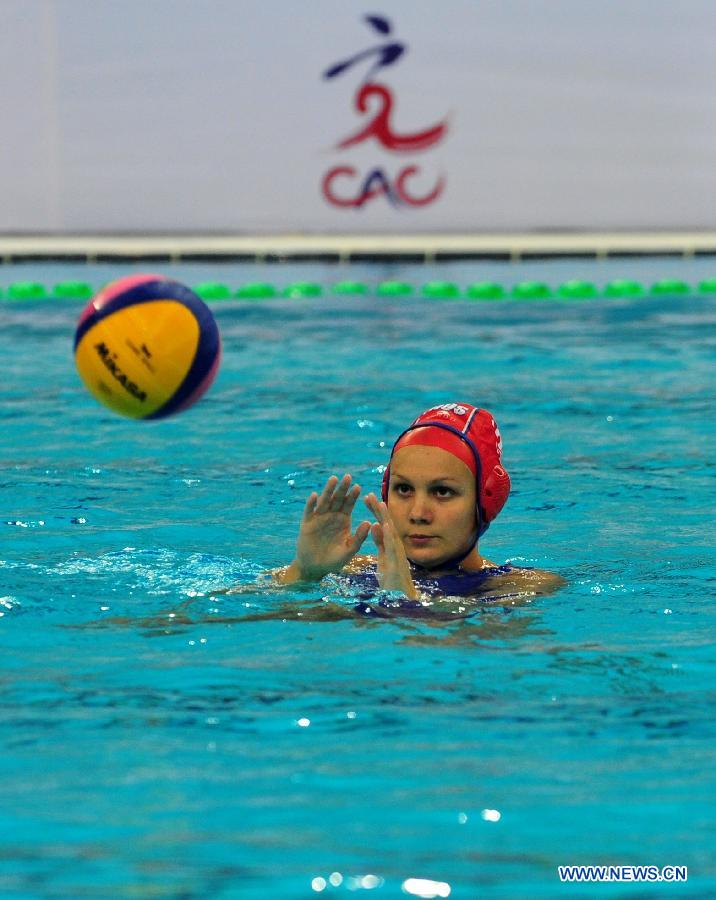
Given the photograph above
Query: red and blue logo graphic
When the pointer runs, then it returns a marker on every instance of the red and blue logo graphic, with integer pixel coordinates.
(345, 186)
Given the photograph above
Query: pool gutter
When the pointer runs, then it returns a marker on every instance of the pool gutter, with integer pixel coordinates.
(352, 247)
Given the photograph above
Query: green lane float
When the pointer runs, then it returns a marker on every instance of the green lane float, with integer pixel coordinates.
(72, 290)
(485, 290)
(574, 289)
(531, 290)
(255, 290)
(623, 287)
(441, 290)
(26, 290)
(212, 290)
(394, 289)
(670, 286)
(301, 289)
(577, 290)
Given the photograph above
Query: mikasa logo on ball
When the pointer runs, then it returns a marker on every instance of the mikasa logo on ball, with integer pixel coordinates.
(105, 354)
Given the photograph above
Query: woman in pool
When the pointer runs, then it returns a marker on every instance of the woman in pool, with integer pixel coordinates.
(443, 486)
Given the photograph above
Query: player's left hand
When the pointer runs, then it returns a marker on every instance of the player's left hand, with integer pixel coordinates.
(393, 566)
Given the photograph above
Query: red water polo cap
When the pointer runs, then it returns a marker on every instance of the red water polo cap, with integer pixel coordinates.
(472, 435)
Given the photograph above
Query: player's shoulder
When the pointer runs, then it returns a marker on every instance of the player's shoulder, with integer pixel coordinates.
(536, 581)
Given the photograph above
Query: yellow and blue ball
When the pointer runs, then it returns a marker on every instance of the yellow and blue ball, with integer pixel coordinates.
(147, 347)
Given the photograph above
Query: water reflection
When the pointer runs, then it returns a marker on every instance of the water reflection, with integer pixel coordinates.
(448, 621)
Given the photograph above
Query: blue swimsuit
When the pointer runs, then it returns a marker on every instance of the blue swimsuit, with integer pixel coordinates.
(375, 602)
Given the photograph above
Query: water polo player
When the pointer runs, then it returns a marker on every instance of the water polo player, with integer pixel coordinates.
(443, 486)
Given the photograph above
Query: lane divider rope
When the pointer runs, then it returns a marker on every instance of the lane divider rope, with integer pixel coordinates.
(574, 289)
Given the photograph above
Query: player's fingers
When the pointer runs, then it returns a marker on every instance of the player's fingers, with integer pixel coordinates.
(310, 506)
(339, 495)
(351, 498)
(362, 532)
(324, 501)
(376, 532)
(371, 501)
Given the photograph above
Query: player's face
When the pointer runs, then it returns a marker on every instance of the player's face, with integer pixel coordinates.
(432, 502)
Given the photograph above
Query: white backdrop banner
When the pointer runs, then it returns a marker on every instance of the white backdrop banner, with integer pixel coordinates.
(270, 116)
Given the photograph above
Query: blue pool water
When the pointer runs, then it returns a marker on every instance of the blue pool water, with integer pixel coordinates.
(160, 738)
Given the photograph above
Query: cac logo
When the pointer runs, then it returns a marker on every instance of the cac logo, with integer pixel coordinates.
(346, 186)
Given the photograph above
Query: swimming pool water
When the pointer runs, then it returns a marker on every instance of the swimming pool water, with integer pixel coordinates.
(162, 739)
